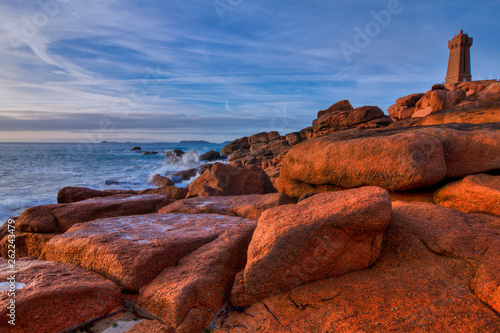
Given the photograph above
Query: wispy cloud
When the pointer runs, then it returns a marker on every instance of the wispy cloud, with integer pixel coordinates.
(175, 69)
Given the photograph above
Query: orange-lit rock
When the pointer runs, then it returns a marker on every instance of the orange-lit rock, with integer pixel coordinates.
(472, 194)
(340, 106)
(133, 250)
(443, 99)
(51, 296)
(395, 158)
(492, 92)
(224, 179)
(326, 235)
(170, 192)
(188, 295)
(27, 244)
(401, 161)
(438, 272)
(61, 217)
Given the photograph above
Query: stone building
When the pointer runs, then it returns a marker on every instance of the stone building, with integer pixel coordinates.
(459, 62)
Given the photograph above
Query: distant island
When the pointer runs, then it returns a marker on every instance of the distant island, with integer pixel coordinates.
(196, 142)
(186, 142)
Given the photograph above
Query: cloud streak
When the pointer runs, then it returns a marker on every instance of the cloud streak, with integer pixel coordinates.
(178, 63)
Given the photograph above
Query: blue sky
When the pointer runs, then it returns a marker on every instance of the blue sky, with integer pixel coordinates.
(216, 70)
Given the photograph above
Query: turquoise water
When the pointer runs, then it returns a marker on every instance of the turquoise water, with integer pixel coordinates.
(32, 173)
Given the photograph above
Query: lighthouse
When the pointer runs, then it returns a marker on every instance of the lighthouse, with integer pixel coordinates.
(459, 61)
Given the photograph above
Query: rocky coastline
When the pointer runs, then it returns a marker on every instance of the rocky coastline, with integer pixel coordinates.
(362, 222)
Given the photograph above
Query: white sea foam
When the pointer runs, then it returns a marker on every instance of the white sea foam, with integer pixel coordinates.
(32, 174)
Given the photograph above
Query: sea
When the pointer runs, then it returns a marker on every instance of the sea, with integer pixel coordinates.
(31, 174)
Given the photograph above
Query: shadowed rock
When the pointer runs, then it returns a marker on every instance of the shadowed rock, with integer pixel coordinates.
(71, 194)
(246, 206)
(211, 155)
(161, 181)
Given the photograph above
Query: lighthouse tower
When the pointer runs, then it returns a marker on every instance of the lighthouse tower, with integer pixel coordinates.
(459, 62)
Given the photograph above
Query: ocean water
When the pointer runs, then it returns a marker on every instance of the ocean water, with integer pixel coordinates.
(31, 174)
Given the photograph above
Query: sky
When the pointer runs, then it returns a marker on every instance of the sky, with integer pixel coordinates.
(217, 70)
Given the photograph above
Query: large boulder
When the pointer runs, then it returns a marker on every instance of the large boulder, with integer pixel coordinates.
(247, 206)
(306, 133)
(211, 155)
(478, 112)
(405, 106)
(273, 135)
(472, 194)
(492, 92)
(241, 143)
(188, 295)
(326, 235)
(438, 272)
(400, 112)
(268, 142)
(51, 296)
(397, 162)
(364, 114)
(238, 154)
(174, 156)
(425, 101)
(170, 192)
(468, 149)
(61, 217)
(344, 105)
(396, 158)
(410, 100)
(259, 137)
(133, 250)
(341, 120)
(160, 181)
(181, 175)
(394, 110)
(471, 86)
(224, 179)
(74, 194)
(293, 138)
(444, 99)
